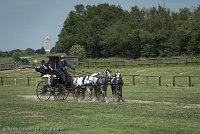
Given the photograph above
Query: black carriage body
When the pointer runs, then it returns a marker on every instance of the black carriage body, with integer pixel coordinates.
(72, 60)
(54, 60)
(56, 87)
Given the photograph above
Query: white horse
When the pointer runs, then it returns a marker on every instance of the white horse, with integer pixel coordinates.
(86, 83)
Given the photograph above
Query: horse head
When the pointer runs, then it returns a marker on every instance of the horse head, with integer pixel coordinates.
(118, 76)
(106, 73)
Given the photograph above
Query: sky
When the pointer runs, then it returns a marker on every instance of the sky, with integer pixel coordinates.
(25, 23)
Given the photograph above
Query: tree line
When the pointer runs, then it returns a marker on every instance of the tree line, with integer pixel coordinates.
(107, 30)
(16, 53)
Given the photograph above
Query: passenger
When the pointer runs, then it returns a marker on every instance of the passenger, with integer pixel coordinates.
(51, 70)
(42, 68)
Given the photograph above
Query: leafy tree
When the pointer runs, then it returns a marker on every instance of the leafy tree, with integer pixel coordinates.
(77, 50)
(194, 42)
(108, 30)
(30, 51)
(40, 51)
(15, 56)
(53, 49)
(4, 54)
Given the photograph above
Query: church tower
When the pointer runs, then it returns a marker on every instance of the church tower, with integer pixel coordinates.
(47, 44)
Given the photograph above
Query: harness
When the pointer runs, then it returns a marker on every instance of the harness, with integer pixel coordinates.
(83, 80)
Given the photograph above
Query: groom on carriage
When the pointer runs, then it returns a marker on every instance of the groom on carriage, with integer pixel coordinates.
(43, 69)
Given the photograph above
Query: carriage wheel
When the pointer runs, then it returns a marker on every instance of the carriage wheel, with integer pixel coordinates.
(43, 91)
(60, 93)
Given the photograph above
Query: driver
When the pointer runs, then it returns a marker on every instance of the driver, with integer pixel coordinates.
(62, 66)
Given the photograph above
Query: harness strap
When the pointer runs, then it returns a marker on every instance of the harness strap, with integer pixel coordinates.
(76, 80)
(83, 80)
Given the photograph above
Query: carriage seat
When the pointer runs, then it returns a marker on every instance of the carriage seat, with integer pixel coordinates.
(49, 77)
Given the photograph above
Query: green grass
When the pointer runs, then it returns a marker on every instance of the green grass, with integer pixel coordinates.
(166, 73)
(77, 117)
(173, 112)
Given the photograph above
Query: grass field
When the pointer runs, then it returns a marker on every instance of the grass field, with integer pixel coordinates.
(150, 109)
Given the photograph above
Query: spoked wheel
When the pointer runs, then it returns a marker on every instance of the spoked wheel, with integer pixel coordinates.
(60, 93)
(43, 91)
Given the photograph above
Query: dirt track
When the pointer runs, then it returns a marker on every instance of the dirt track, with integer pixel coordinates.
(178, 105)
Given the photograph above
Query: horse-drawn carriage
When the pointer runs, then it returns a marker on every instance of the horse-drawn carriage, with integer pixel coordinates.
(52, 83)
(95, 84)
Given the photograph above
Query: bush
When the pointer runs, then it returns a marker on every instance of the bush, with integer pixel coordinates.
(77, 50)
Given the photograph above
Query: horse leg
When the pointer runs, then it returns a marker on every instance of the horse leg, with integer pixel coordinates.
(118, 93)
(94, 94)
(112, 88)
(77, 93)
(122, 99)
(98, 94)
(105, 94)
(114, 92)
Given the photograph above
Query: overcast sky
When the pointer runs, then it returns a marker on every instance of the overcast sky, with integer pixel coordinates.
(26, 23)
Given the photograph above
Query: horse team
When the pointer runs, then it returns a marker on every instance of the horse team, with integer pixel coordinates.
(96, 85)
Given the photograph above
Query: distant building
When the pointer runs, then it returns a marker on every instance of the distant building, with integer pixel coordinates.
(47, 44)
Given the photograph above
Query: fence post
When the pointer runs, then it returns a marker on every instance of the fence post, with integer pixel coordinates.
(157, 62)
(186, 61)
(2, 81)
(147, 78)
(174, 80)
(159, 78)
(15, 80)
(190, 82)
(88, 64)
(116, 65)
(196, 59)
(28, 81)
(133, 80)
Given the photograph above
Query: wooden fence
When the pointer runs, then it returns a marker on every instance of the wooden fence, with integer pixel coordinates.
(141, 62)
(122, 63)
(7, 66)
(161, 80)
(25, 81)
(183, 81)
